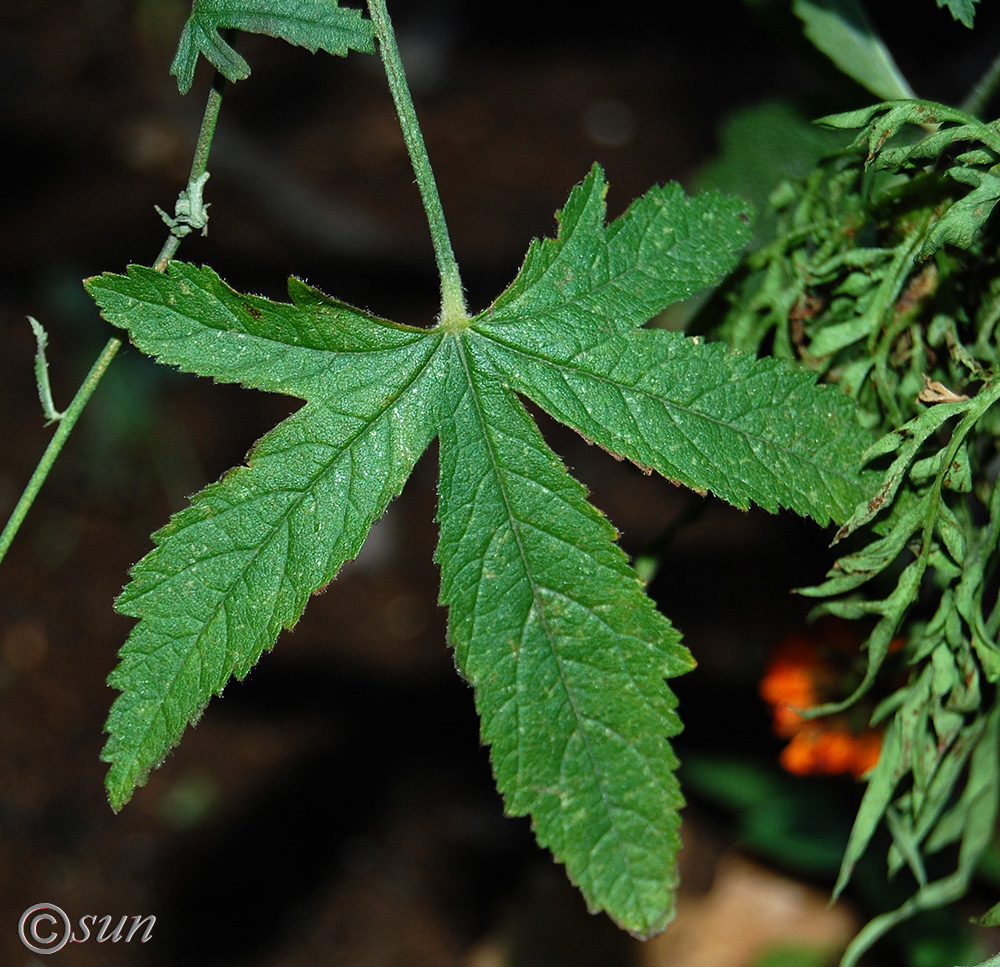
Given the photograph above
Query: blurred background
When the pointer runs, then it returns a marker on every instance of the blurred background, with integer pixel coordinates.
(336, 807)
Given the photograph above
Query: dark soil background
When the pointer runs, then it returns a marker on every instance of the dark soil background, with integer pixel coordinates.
(336, 807)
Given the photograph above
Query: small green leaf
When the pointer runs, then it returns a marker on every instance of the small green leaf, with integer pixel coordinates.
(960, 224)
(313, 24)
(842, 31)
(943, 126)
(964, 11)
(991, 918)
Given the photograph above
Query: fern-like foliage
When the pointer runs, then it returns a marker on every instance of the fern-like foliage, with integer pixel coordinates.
(882, 278)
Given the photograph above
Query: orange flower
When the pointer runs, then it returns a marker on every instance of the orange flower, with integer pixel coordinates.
(790, 683)
(814, 750)
(799, 676)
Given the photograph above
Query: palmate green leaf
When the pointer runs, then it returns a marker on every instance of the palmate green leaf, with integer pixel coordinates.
(567, 655)
(313, 24)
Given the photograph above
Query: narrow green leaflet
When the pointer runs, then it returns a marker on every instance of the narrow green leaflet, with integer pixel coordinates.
(566, 654)
(595, 280)
(313, 24)
(841, 30)
(239, 564)
(967, 215)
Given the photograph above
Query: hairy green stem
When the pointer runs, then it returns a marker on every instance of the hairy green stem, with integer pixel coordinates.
(66, 424)
(68, 419)
(199, 164)
(453, 308)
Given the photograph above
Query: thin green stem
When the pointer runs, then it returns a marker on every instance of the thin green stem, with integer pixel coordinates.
(453, 309)
(199, 164)
(66, 424)
(68, 419)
